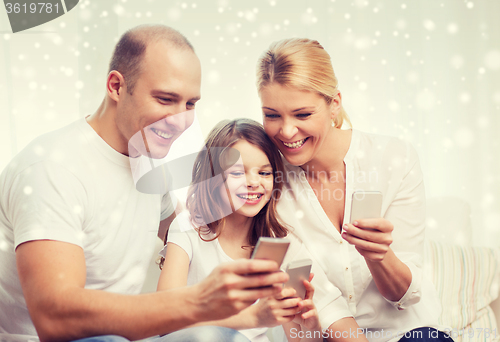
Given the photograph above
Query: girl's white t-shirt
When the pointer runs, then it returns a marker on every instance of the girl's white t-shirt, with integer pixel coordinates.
(204, 256)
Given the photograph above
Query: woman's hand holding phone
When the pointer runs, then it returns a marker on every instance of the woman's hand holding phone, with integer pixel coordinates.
(371, 237)
(368, 232)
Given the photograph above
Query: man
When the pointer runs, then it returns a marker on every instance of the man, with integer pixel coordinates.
(79, 232)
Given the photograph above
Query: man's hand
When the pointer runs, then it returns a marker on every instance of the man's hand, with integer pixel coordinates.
(231, 287)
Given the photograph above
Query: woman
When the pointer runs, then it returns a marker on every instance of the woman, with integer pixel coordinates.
(379, 269)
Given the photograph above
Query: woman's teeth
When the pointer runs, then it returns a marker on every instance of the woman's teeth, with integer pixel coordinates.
(250, 197)
(296, 144)
(162, 134)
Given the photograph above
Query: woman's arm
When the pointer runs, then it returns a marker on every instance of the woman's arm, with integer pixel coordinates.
(393, 245)
(345, 330)
(392, 277)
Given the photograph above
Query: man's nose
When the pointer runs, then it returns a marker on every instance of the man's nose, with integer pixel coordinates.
(180, 121)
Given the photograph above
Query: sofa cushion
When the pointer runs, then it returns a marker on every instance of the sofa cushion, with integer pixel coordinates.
(467, 280)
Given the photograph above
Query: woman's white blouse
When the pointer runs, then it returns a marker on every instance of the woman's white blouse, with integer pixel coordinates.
(372, 163)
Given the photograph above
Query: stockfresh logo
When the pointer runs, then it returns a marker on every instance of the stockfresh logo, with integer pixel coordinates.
(24, 14)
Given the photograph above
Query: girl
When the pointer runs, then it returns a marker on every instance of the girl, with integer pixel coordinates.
(231, 203)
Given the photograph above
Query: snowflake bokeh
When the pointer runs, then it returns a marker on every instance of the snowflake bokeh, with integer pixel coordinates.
(426, 71)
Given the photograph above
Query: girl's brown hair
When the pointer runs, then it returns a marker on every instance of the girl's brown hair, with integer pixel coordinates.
(204, 201)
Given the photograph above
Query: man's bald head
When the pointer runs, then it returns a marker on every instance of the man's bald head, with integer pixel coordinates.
(129, 51)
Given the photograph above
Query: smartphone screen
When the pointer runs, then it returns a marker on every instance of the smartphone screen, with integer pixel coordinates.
(298, 271)
(366, 204)
(271, 249)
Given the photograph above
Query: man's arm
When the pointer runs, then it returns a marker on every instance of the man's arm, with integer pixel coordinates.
(53, 273)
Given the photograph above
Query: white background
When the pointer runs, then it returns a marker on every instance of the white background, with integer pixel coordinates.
(427, 71)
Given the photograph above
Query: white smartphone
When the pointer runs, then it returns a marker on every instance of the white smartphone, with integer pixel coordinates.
(298, 271)
(271, 249)
(366, 204)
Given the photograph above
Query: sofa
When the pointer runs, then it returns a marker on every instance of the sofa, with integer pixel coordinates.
(466, 277)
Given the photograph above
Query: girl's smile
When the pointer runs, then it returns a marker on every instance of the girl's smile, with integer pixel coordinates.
(249, 181)
(250, 198)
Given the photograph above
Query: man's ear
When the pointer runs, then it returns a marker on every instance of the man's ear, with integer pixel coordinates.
(115, 85)
(336, 105)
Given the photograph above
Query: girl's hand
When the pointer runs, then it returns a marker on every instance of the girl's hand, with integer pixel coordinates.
(308, 316)
(273, 311)
(371, 237)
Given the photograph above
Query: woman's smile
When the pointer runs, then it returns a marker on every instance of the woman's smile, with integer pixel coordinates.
(295, 145)
(297, 121)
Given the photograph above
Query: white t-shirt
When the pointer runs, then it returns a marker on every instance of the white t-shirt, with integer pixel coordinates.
(70, 185)
(204, 256)
(372, 163)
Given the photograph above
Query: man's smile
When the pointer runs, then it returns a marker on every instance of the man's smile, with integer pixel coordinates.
(162, 134)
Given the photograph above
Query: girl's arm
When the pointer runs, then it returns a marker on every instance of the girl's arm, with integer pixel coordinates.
(267, 312)
(175, 268)
(305, 326)
(174, 274)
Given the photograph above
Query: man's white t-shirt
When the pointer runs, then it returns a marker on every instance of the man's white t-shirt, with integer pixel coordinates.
(71, 186)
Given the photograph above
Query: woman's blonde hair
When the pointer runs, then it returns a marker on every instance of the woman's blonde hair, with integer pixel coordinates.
(301, 63)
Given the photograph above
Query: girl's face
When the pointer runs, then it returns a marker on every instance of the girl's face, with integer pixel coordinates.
(249, 181)
(297, 121)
